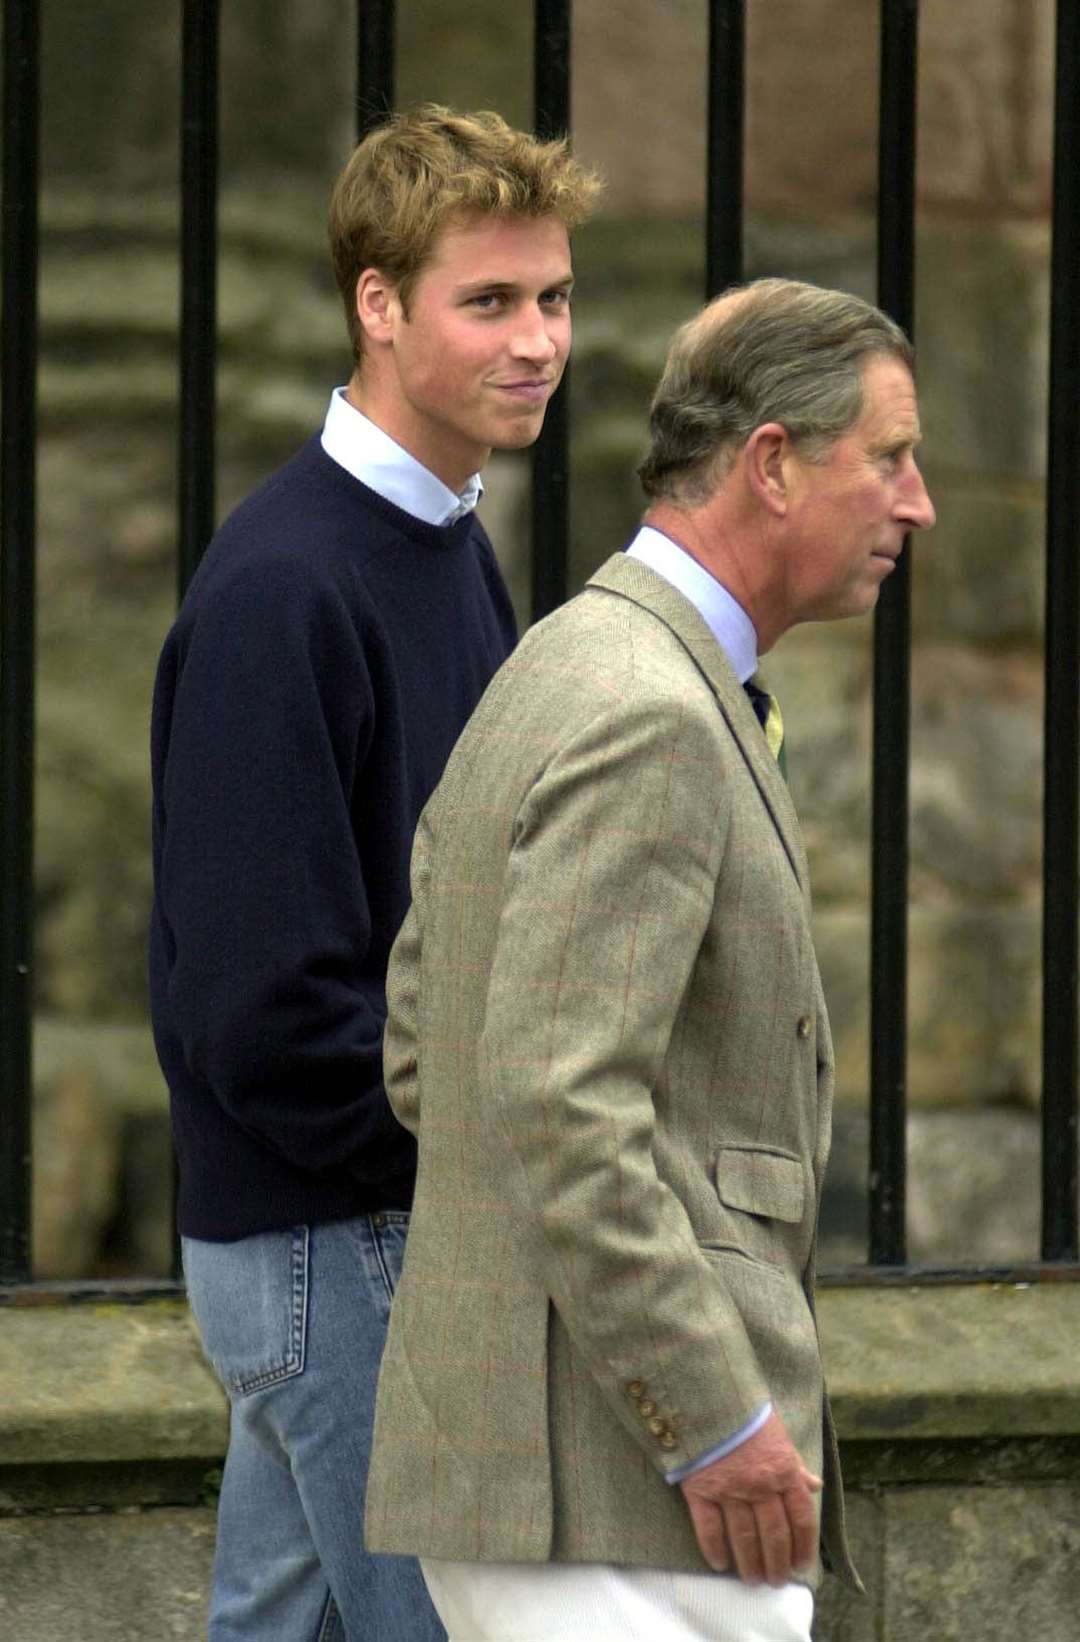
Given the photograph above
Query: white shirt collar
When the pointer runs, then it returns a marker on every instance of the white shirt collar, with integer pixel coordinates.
(358, 445)
(727, 620)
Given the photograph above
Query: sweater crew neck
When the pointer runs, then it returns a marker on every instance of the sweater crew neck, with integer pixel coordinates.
(443, 537)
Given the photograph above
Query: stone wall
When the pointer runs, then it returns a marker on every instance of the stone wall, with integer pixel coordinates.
(958, 1411)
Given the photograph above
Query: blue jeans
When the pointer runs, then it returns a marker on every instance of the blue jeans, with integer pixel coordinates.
(294, 1324)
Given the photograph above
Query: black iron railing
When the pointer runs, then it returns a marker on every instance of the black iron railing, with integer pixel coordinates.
(724, 154)
(1061, 812)
(892, 673)
(198, 281)
(18, 364)
(550, 515)
(724, 262)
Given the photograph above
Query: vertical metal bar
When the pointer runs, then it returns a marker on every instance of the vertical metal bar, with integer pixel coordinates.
(18, 356)
(724, 174)
(1061, 815)
(550, 497)
(551, 68)
(892, 677)
(198, 301)
(198, 280)
(375, 53)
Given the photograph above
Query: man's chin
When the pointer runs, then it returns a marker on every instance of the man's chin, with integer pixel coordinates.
(519, 437)
(856, 601)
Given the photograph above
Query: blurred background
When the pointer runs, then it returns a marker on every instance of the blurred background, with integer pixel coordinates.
(107, 509)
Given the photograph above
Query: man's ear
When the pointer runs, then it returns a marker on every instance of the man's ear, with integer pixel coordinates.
(766, 455)
(376, 305)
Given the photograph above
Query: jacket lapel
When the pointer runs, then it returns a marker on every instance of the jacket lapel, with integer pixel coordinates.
(630, 579)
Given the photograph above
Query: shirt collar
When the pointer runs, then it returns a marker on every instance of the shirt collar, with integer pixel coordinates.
(359, 446)
(728, 622)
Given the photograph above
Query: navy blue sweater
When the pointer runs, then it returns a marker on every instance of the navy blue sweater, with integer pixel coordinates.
(325, 659)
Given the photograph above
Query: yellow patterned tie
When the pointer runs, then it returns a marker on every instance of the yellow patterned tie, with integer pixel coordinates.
(770, 718)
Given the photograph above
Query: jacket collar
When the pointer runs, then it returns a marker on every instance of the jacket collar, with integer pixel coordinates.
(630, 579)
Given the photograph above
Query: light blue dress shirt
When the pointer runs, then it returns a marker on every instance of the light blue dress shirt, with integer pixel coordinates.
(728, 622)
(734, 632)
(355, 442)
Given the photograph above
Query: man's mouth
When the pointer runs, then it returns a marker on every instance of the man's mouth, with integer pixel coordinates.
(532, 387)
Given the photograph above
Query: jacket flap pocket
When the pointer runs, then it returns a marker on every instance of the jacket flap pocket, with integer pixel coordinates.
(760, 1181)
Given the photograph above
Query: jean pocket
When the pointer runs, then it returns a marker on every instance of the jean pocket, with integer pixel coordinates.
(389, 1228)
(250, 1300)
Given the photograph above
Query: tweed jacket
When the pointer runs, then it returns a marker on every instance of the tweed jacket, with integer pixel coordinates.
(607, 1031)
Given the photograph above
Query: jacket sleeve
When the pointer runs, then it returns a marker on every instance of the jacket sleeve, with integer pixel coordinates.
(401, 1044)
(262, 888)
(608, 898)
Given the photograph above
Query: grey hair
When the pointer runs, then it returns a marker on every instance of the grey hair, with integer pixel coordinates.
(775, 350)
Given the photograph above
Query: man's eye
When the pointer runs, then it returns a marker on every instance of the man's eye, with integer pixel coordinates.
(556, 299)
(486, 301)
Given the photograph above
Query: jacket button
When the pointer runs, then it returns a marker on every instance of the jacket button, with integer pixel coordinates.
(657, 1426)
(669, 1440)
(636, 1389)
(646, 1407)
(803, 1026)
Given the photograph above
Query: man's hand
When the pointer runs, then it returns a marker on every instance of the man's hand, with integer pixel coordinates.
(755, 1508)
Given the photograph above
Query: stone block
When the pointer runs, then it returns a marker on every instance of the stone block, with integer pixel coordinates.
(976, 765)
(985, 104)
(93, 873)
(976, 773)
(973, 1001)
(137, 1576)
(980, 576)
(973, 1188)
(968, 1361)
(106, 1383)
(986, 1563)
(840, 1614)
(983, 315)
(102, 1152)
(76, 1171)
(664, 166)
(973, 1004)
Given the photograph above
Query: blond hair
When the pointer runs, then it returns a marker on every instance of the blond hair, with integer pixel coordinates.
(409, 177)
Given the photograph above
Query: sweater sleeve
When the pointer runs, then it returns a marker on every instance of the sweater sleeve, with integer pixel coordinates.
(262, 887)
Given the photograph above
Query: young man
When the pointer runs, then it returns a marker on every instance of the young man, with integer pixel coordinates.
(335, 639)
(607, 1029)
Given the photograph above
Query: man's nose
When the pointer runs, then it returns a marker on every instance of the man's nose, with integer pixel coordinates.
(917, 508)
(533, 338)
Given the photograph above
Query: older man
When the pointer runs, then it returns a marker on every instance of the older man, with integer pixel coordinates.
(603, 1385)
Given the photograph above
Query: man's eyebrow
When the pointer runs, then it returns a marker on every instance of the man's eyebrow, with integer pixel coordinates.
(909, 439)
(478, 287)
